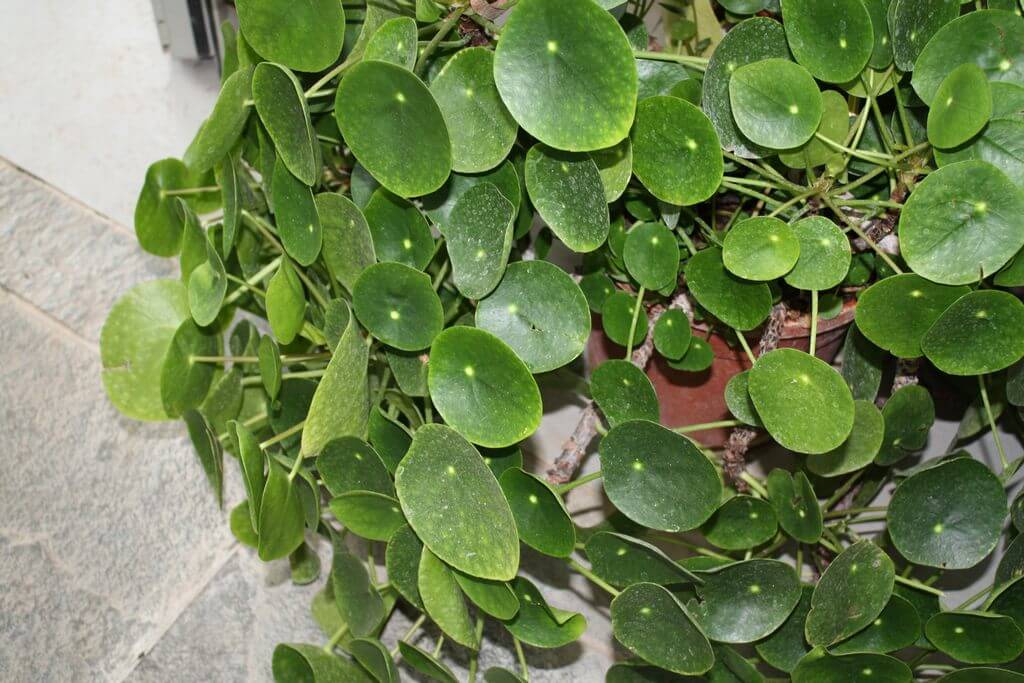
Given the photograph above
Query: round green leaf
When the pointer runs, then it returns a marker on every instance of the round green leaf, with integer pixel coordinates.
(207, 285)
(976, 637)
(737, 397)
(368, 514)
(796, 505)
(282, 108)
(220, 131)
(658, 478)
(699, 357)
(860, 667)
(617, 318)
(398, 305)
(492, 597)
(615, 164)
(784, 648)
(596, 286)
(541, 518)
(438, 205)
(832, 39)
(913, 23)
(305, 37)
(623, 392)
(652, 624)
(567, 190)
(749, 41)
(762, 248)
(745, 601)
(786, 384)
(622, 560)
(676, 151)
(481, 128)
(351, 464)
(835, 125)
(395, 41)
(656, 77)
(482, 388)
(981, 332)
(184, 382)
(895, 313)
(571, 89)
(737, 303)
(455, 505)
(539, 624)
(297, 219)
(347, 243)
(672, 334)
(540, 312)
(443, 601)
(851, 593)
(394, 128)
(897, 627)
(991, 39)
(1000, 143)
(399, 231)
(742, 522)
(949, 515)
(651, 254)
(309, 663)
(402, 560)
(961, 107)
(776, 103)
(824, 255)
(286, 303)
(479, 238)
(158, 220)
(859, 449)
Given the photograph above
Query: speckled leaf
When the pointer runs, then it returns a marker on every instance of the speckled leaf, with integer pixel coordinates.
(738, 303)
(541, 519)
(761, 248)
(795, 505)
(286, 303)
(804, 403)
(851, 593)
(824, 254)
(399, 231)
(895, 313)
(980, 333)
(305, 37)
(948, 515)
(540, 625)
(281, 518)
(567, 190)
(976, 637)
(455, 505)
(961, 107)
(745, 601)
(897, 627)
(859, 449)
(479, 238)
(394, 127)
(651, 623)
(221, 130)
(833, 39)
(658, 478)
(402, 560)
(395, 41)
(820, 667)
(398, 306)
(482, 389)
(359, 604)
(347, 243)
(651, 255)
(297, 219)
(741, 522)
(282, 108)
(571, 89)
(443, 601)
(775, 103)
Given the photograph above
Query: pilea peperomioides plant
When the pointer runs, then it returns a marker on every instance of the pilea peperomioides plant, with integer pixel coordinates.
(378, 188)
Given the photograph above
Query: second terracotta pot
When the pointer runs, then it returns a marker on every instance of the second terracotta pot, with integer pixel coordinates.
(689, 398)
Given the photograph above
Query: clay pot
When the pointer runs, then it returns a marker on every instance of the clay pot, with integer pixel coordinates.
(688, 398)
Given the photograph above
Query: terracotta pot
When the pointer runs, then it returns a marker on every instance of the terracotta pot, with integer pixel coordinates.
(698, 397)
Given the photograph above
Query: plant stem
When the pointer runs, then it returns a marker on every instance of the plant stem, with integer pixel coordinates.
(753, 483)
(849, 512)
(440, 275)
(751, 193)
(474, 655)
(814, 322)
(700, 550)
(408, 634)
(867, 202)
(267, 232)
(257, 277)
(569, 486)
(746, 346)
(860, 233)
(842, 490)
(687, 241)
(992, 422)
(870, 157)
(791, 202)
(914, 583)
(687, 429)
(974, 598)
(440, 644)
(326, 78)
(699, 63)
(335, 639)
(278, 438)
(189, 190)
(632, 326)
(242, 283)
(596, 580)
(522, 659)
(305, 374)
(442, 32)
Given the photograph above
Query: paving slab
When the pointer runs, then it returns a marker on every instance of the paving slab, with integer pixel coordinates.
(108, 529)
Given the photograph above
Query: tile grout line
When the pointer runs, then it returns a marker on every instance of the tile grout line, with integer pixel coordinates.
(146, 644)
(70, 198)
(47, 319)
